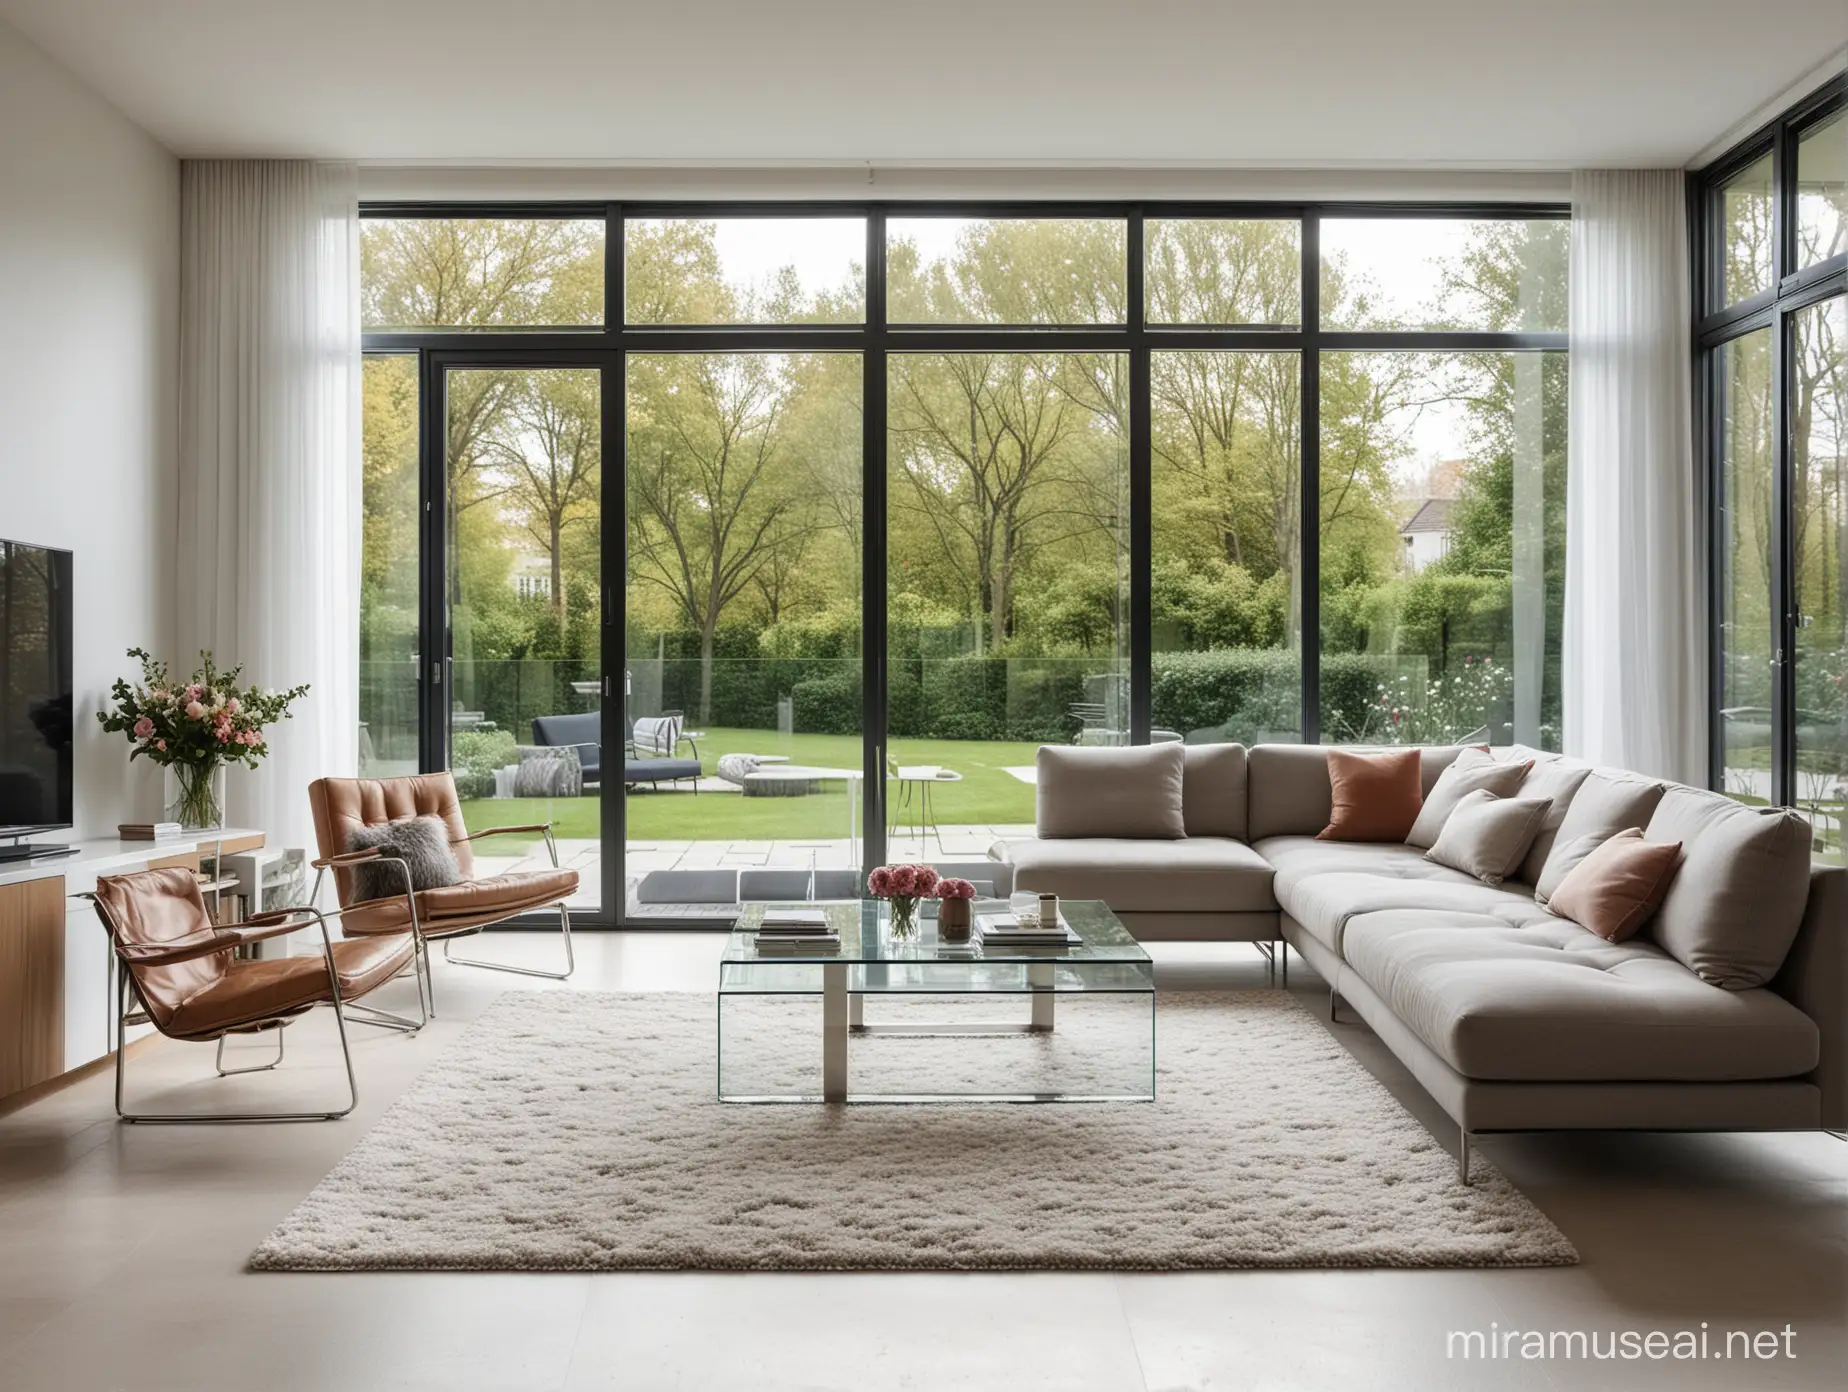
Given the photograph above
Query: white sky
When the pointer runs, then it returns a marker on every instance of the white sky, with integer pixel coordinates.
(1403, 257)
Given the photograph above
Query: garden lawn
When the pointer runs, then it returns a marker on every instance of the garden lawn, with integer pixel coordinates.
(987, 794)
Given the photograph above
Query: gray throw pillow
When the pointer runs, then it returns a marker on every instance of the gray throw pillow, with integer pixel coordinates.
(1486, 835)
(1133, 792)
(1558, 780)
(1734, 908)
(1471, 770)
(422, 843)
(1606, 803)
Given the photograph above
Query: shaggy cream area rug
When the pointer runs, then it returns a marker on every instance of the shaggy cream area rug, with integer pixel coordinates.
(581, 1132)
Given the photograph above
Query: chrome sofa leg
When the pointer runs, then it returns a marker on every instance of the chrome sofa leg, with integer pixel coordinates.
(1463, 1154)
(1334, 1006)
(1283, 952)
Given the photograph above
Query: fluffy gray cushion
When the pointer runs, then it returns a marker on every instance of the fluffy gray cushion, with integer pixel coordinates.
(1132, 793)
(1486, 835)
(422, 843)
(548, 771)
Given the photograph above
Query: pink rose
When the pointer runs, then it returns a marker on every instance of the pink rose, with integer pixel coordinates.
(194, 692)
(927, 878)
(233, 706)
(880, 883)
(161, 745)
(143, 728)
(194, 711)
(955, 889)
(904, 881)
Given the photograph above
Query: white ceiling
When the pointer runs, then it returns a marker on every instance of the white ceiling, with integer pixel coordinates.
(1543, 84)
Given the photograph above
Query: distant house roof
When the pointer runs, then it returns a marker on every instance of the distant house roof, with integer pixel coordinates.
(1433, 515)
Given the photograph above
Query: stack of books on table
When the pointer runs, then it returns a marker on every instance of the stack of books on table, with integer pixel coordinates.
(801, 932)
(1006, 930)
(147, 831)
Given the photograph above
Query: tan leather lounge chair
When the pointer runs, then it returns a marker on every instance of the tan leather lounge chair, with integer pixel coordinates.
(183, 976)
(442, 914)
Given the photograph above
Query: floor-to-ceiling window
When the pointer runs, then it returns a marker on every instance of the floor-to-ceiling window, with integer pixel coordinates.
(897, 494)
(1771, 242)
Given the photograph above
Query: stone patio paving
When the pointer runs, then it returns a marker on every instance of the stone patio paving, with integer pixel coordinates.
(959, 842)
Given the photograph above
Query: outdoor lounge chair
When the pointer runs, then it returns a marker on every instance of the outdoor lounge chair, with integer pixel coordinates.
(640, 765)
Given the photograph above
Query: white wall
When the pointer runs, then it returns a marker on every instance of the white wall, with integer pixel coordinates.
(89, 331)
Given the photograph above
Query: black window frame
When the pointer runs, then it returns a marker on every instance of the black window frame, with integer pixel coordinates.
(607, 347)
(1717, 324)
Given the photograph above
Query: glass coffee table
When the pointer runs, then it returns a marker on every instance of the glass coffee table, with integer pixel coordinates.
(789, 1023)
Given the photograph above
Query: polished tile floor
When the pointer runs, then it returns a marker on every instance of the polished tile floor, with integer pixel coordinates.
(122, 1252)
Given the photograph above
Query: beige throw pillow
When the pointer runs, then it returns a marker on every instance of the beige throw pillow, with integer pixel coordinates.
(1470, 770)
(1605, 804)
(1486, 835)
(1557, 779)
(1133, 793)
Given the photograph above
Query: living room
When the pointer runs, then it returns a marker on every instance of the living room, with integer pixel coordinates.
(1228, 635)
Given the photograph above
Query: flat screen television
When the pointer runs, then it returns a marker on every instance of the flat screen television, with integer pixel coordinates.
(35, 691)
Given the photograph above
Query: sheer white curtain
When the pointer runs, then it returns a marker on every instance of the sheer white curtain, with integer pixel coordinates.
(269, 530)
(1635, 643)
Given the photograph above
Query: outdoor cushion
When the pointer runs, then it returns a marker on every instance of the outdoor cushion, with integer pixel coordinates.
(1470, 770)
(1134, 791)
(1487, 835)
(1289, 790)
(1607, 802)
(1325, 904)
(1733, 909)
(1213, 789)
(1373, 795)
(1197, 874)
(1549, 1002)
(659, 770)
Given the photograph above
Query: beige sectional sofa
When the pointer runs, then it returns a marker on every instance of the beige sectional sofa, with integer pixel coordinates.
(1511, 1017)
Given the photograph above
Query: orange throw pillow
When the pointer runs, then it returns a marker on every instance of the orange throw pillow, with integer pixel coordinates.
(1615, 889)
(1376, 797)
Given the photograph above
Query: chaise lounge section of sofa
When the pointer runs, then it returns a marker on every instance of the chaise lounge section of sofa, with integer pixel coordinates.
(1728, 1012)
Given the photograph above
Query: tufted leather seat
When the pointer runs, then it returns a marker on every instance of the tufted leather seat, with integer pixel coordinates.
(1546, 1001)
(343, 805)
(161, 912)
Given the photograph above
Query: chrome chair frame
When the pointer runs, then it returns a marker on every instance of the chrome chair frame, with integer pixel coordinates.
(427, 986)
(273, 924)
(420, 950)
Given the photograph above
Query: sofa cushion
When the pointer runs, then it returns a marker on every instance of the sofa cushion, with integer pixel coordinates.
(1128, 792)
(1296, 856)
(1557, 780)
(1732, 910)
(1471, 770)
(1213, 789)
(1289, 788)
(1487, 835)
(1324, 904)
(1373, 795)
(1615, 889)
(1606, 802)
(1547, 1001)
(1198, 874)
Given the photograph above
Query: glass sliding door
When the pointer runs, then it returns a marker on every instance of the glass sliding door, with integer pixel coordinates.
(1442, 543)
(390, 667)
(1747, 465)
(741, 682)
(523, 705)
(1007, 518)
(1819, 575)
(1226, 600)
